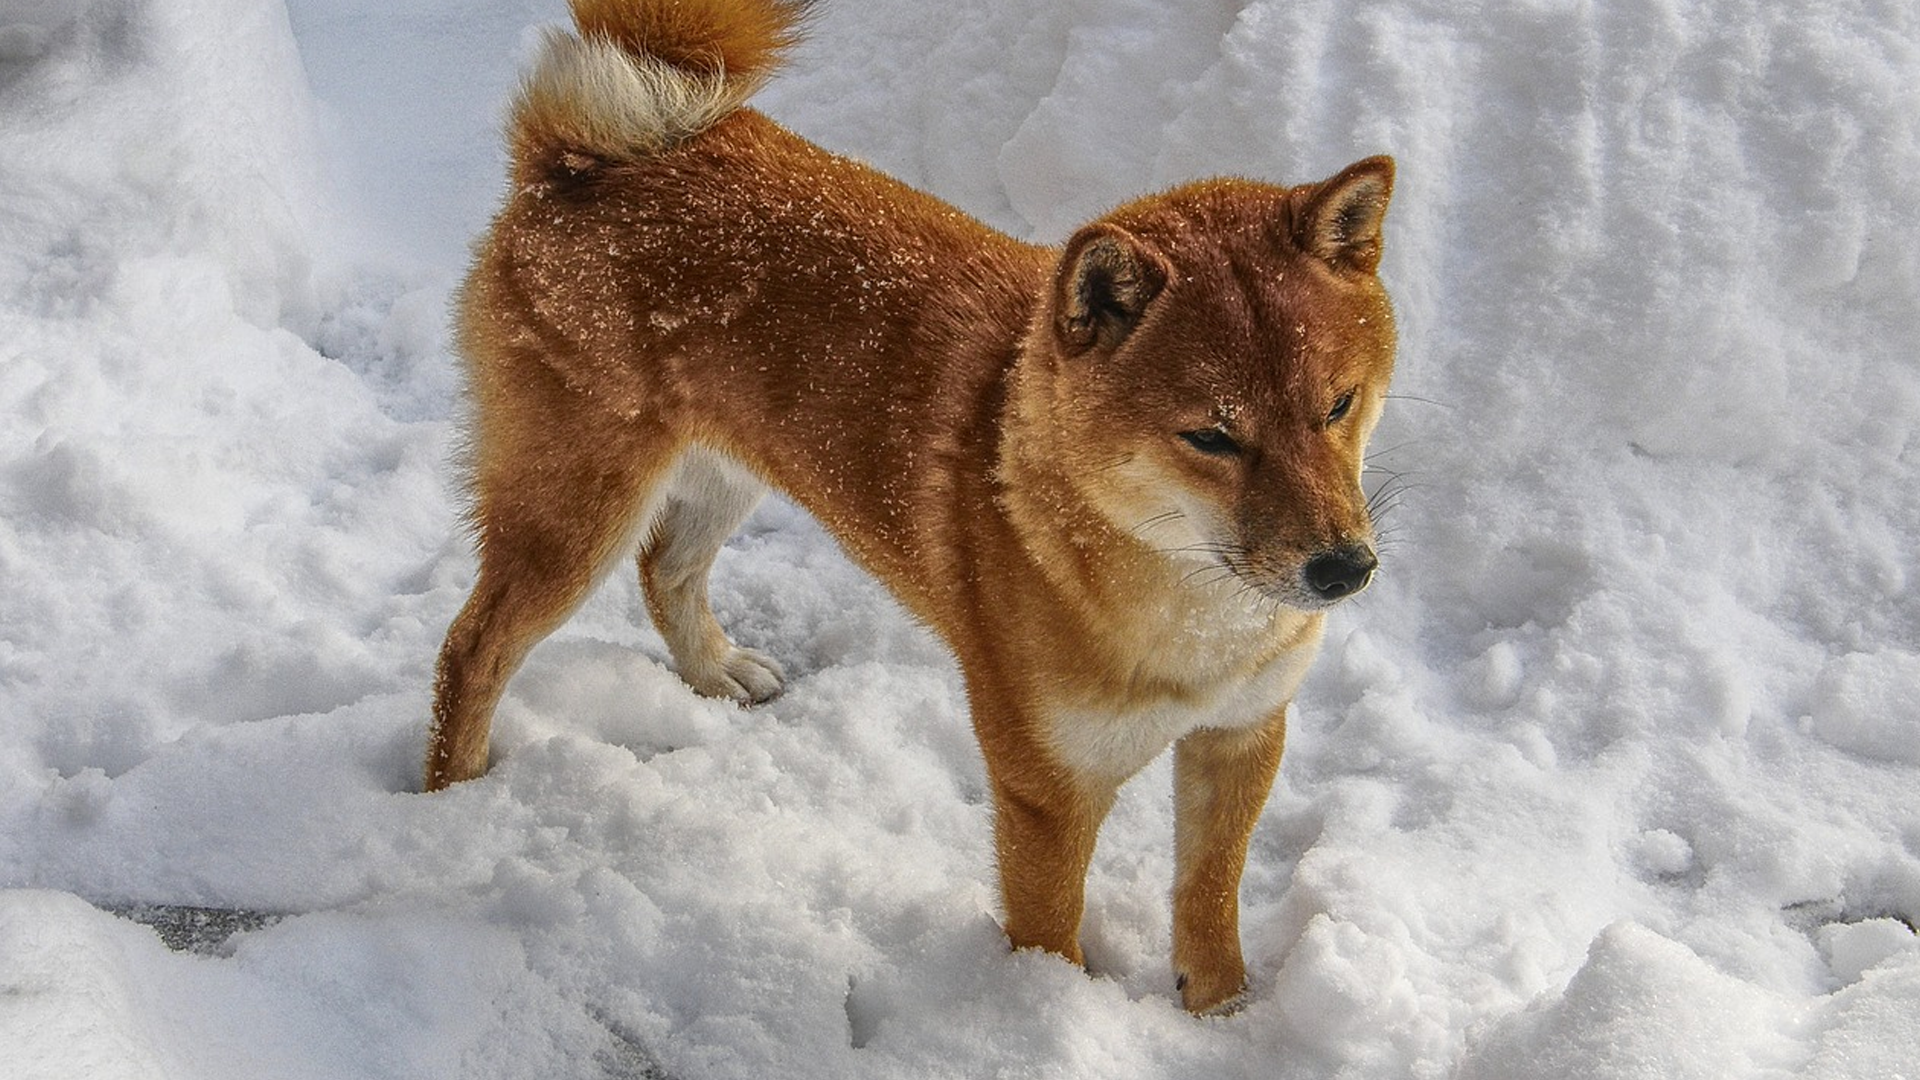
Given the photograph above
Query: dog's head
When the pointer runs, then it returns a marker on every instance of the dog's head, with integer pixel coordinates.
(1219, 355)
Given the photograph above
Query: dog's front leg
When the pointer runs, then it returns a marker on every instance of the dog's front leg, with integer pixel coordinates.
(1221, 779)
(1045, 821)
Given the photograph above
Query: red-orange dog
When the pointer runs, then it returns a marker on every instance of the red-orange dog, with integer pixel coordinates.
(1120, 478)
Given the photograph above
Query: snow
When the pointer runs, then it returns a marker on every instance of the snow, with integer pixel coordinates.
(1614, 773)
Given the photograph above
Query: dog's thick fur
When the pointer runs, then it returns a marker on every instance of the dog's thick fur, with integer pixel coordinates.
(1120, 478)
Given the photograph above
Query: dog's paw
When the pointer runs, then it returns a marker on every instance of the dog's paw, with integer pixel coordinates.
(1222, 998)
(747, 676)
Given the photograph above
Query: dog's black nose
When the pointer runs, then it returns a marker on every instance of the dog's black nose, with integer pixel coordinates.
(1341, 572)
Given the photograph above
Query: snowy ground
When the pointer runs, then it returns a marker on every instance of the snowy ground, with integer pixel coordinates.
(1616, 773)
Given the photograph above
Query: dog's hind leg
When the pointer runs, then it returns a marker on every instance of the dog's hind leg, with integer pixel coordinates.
(558, 497)
(709, 498)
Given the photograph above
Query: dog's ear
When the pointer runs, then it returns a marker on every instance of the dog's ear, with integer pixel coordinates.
(1340, 224)
(1107, 277)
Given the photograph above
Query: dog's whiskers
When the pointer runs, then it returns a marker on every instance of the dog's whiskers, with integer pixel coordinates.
(1390, 493)
(1379, 452)
(1157, 519)
(1421, 400)
(1221, 568)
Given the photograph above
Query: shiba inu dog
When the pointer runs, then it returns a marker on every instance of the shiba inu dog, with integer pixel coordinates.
(1120, 477)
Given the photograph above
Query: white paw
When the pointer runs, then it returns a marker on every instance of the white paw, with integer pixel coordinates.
(748, 676)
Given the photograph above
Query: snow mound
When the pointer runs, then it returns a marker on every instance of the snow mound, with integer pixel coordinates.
(1863, 702)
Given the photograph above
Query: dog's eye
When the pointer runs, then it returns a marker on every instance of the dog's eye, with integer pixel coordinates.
(1211, 441)
(1340, 407)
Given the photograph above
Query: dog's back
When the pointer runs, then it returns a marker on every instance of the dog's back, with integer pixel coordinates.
(650, 208)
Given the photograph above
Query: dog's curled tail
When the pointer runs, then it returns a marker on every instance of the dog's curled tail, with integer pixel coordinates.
(641, 76)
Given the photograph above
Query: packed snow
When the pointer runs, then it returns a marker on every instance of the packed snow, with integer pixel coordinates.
(1614, 773)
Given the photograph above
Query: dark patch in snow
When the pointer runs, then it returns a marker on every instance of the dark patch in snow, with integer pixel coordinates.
(199, 930)
(624, 1058)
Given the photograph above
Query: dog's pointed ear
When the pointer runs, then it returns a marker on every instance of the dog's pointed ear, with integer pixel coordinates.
(1341, 223)
(1107, 277)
